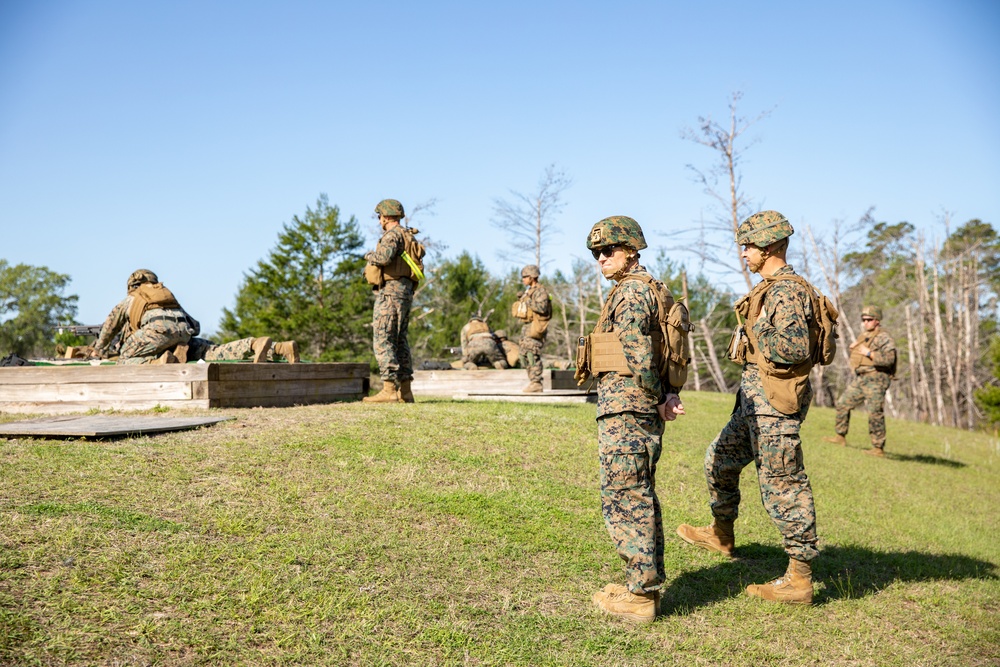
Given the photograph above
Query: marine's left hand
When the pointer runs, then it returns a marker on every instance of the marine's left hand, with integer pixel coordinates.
(670, 408)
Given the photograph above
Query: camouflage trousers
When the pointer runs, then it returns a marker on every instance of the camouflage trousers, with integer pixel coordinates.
(152, 340)
(772, 443)
(390, 325)
(483, 349)
(867, 389)
(630, 444)
(237, 350)
(531, 356)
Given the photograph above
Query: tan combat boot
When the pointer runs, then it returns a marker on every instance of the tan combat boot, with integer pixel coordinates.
(877, 452)
(533, 388)
(165, 358)
(836, 439)
(260, 346)
(717, 537)
(389, 394)
(405, 393)
(181, 352)
(500, 365)
(794, 587)
(288, 349)
(619, 601)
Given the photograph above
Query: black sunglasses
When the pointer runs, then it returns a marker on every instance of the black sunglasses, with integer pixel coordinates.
(867, 319)
(607, 251)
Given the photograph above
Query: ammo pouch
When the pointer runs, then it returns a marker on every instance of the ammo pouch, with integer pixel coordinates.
(374, 275)
(606, 353)
(519, 309)
(582, 361)
(737, 351)
(785, 386)
(537, 328)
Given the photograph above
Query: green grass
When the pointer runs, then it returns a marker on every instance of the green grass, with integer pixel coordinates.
(470, 534)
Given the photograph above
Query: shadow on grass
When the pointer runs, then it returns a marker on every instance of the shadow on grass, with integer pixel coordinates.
(925, 458)
(844, 573)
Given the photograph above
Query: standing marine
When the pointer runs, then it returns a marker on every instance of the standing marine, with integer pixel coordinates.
(775, 345)
(633, 401)
(393, 274)
(873, 360)
(534, 308)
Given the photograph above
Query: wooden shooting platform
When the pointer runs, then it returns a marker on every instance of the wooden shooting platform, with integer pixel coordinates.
(494, 385)
(79, 388)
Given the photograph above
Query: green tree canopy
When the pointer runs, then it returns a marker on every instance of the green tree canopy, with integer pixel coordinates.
(309, 289)
(31, 303)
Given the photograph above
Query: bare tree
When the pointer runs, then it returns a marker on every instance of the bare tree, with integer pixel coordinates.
(528, 219)
(722, 182)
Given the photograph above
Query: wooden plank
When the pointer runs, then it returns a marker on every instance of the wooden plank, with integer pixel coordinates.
(126, 391)
(279, 401)
(451, 382)
(557, 396)
(104, 425)
(304, 388)
(283, 372)
(98, 374)
(68, 407)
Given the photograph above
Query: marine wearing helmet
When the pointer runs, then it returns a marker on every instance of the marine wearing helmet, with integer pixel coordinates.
(616, 230)
(764, 228)
(391, 208)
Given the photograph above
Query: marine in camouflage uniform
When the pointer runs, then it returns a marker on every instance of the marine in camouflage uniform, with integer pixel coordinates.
(758, 432)
(480, 345)
(391, 316)
(536, 307)
(160, 327)
(631, 409)
(244, 349)
(873, 359)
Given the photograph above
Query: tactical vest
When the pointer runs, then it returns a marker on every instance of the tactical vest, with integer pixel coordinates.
(785, 385)
(146, 297)
(399, 267)
(861, 364)
(603, 352)
(475, 327)
(539, 322)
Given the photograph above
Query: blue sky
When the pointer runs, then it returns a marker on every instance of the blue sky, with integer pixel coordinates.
(180, 136)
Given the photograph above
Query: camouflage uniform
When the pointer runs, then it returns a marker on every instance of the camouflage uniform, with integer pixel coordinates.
(759, 433)
(160, 329)
(870, 385)
(630, 434)
(537, 299)
(481, 346)
(237, 350)
(391, 317)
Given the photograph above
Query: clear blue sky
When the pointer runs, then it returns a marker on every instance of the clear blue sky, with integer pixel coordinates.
(179, 136)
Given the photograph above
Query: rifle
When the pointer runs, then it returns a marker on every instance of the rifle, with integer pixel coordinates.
(79, 329)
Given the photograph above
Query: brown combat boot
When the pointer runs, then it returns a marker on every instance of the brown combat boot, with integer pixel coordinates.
(389, 394)
(181, 352)
(618, 601)
(260, 346)
(533, 388)
(288, 349)
(836, 439)
(717, 537)
(165, 358)
(877, 452)
(405, 393)
(794, 587)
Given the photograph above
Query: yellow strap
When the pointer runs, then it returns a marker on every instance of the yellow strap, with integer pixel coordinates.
(417, 273)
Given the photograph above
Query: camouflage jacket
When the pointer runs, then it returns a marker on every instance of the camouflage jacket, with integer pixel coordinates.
(782, 328)
(389, 247)
(883, 352)
(117, 323)
(537, 299)
(633, 316)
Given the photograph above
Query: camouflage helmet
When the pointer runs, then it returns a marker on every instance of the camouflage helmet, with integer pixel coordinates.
(139, 277)
(500, 333)
(616, 230)
(530, 270)
(764, 228)
(872, 311)
(390, 207)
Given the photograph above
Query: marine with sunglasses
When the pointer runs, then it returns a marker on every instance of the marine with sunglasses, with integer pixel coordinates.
(873, 360)
(632, 404)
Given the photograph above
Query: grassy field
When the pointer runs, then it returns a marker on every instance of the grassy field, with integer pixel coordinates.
(448, 533)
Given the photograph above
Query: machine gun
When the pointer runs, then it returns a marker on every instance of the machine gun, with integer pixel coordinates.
(79, 329)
